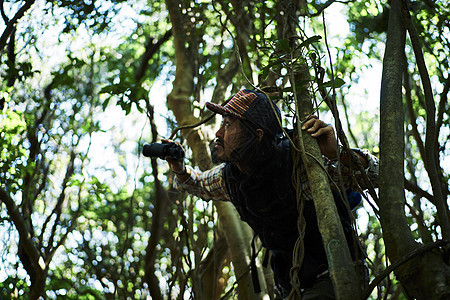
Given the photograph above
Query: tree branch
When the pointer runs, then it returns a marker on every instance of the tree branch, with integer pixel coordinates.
(441, 108)
(210, 268)
(418, 191)
(238, 234)
(150, 49)
(69, 229)
(411, 114)
(432, 160)
(324, 6)
(392, 147)
(10, 25)
(2, 12)
(58, 207)
(33, 254)
(349, 127)
(398, 263)
(342, 272)
(158, 214)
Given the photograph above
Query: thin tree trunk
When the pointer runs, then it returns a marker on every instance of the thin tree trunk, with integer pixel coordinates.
(210, 269)
(240, 250)
(10, 25)
(426, 277)
(431, 159)
(158, 215)
(179, 102)
(392, 140)
(341, 267)
(35, 259)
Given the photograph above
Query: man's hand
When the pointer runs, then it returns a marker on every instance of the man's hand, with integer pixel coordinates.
(176, 165)
(324, 134)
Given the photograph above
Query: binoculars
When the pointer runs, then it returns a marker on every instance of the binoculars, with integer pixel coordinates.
(163, 150)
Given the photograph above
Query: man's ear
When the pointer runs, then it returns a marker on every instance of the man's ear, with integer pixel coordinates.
(260, 134)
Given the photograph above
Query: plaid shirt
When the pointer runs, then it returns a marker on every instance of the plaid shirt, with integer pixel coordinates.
(210, 185)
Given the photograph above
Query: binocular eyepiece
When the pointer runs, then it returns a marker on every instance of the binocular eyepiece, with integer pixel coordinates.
(163, 150)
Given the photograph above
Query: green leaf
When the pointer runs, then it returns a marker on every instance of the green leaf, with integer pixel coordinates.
(338, 82)
(265, 71)
(113, 89)
(309, 41)
(264, 48)
(299, 86)
(105, 103)
(283, 45)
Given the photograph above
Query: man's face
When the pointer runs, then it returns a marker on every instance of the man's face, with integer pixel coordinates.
(227, 138)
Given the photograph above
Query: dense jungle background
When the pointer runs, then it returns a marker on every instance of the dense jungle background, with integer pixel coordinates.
(85, 83)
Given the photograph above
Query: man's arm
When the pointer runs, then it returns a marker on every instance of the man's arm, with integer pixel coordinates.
(208, 185)
(327, 142)
(328, 145)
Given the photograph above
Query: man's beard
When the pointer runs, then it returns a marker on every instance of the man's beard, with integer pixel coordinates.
(215, 159)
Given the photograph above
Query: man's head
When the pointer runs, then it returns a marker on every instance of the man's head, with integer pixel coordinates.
(228, 139)
(249, 122)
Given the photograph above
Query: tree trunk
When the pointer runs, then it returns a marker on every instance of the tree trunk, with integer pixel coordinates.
(158, 215)
(431, 159)
(237, 233)
(31, 259)
(341, 267)
(10, 25)
(210, 269)
(238, 238)
(424, 277)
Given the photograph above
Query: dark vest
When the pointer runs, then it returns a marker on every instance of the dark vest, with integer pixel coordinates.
(267, 202)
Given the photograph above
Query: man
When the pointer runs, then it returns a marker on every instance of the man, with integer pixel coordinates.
(256, 177)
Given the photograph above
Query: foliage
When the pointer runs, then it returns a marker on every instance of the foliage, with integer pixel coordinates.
(99, 228)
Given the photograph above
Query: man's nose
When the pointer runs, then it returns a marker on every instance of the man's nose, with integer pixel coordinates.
(219, 133)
